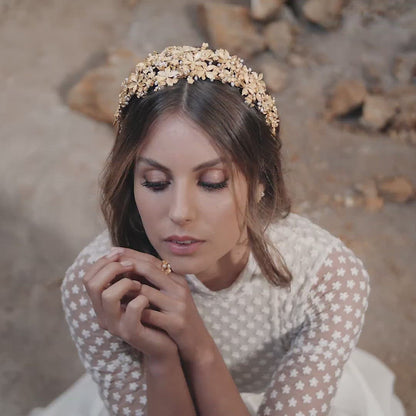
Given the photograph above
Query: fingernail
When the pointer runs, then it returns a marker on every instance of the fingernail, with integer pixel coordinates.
(114, 252)
(126, 263)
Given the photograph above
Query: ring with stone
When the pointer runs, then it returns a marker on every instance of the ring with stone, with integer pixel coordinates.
(166, 267)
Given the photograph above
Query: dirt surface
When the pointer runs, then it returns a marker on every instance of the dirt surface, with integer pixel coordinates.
(51, 157)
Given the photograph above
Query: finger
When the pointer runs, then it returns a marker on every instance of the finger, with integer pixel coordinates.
(151, 268)
(133, 254)
(159, 299)
(157, 319)
(113, 255)
(131, 317)
(113, 295)
(102, 279)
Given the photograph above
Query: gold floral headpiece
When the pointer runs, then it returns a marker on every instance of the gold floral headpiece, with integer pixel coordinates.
(176, 62)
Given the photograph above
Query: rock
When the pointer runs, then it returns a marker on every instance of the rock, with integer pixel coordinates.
(279, 38)
(347, 96)
(286, 13)
(403, 136)
(275, 76)
(264, 10)
(373, 77)
(348, 199)
(230, 27)
(405, 100)
(377, 112)
(325, 13)
(374, 204)
(397, 189)
(296, 60)
(368, 189)
(96, 94)
(404, 68)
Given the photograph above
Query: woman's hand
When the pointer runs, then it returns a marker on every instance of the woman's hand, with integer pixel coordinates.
(177, 313)
(119, 306)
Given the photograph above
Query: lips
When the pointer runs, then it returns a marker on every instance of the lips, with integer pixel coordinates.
(183, 245)
(182, 239)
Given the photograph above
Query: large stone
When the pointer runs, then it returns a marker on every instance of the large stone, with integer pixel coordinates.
(275, 75)
(230, 27)
(325, 13)
(347, 96)
(404, 67)
(371, 199)
(279, 38)
(96, 94)
(287, 13)
(264, 10)
(397, 189)
(405, 99)
(378, 111)
(373, 76)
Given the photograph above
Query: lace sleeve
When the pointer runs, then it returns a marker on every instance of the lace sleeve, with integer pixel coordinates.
(306, 379)
(114, 365)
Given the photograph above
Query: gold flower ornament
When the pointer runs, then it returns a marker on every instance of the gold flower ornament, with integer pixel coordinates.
(177, 62)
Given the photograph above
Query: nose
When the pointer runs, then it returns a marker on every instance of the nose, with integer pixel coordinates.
(182, 209)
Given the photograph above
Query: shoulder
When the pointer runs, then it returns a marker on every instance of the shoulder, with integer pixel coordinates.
(303, 244)
(296, 227)
(325, 271)
(97, 248)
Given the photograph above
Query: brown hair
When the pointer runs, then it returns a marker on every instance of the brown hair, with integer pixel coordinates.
(238, 132)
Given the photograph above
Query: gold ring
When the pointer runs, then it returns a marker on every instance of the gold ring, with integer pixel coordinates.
(166, 267)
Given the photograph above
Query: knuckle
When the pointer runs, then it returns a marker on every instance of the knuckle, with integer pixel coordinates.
(107, 296)
(139, 303)
(124, 283)
(133, 307)
(151, 259)
(144, 300)
(92, 286)
(148, 268)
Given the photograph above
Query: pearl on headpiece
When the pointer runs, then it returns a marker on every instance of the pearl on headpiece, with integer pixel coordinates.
(198, 63)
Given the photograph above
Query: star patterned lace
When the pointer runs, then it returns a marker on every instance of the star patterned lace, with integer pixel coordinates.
(289, 344)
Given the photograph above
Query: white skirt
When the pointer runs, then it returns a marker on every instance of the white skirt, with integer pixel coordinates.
(366, 389)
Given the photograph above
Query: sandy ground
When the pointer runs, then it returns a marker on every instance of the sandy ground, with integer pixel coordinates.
(51, 158)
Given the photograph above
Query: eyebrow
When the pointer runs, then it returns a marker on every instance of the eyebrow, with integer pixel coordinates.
(208, 164)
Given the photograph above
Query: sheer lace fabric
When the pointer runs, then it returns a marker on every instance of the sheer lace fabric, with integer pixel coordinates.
(290, 344)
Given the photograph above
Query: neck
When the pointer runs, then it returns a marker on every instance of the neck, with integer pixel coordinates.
(227, 270)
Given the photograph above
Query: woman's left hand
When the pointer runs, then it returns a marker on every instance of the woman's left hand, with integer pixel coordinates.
(177, 314)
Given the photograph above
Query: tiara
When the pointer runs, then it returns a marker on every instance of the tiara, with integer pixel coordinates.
(166, 68)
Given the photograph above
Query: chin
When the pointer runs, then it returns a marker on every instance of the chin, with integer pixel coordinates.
(185, 266)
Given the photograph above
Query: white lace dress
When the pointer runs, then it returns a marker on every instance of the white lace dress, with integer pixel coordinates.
(291, 352)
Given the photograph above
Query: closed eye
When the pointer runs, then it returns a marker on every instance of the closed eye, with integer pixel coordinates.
(156, 186)
(213, 186)
(162, 185)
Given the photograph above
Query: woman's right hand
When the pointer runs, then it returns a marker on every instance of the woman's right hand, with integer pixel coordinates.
(120, 318)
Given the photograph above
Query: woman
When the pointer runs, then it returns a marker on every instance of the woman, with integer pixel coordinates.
(206, 296)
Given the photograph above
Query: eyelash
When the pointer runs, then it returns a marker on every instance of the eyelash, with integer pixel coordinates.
(162, 185)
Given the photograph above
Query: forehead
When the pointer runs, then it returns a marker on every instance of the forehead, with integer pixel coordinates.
(176, 137)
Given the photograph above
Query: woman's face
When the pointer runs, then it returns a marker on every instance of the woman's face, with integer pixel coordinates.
(184, 193)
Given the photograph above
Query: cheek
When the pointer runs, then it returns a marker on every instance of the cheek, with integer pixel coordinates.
(148, 211)
(227, 218)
